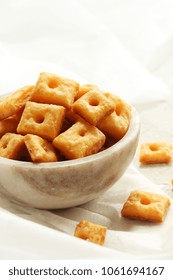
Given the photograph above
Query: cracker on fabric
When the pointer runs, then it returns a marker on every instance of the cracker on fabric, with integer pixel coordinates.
(92, 232)
(44, 120)
(54, 89)
(80, 140)
(155, 153)
(11, 104)
(93, 106)
(146, 206)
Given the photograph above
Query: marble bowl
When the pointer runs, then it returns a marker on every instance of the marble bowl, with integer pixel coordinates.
(72, 182)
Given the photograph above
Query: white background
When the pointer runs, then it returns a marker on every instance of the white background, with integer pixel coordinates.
(123, 46)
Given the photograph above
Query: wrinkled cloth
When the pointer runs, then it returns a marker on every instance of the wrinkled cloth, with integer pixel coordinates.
(124, 47)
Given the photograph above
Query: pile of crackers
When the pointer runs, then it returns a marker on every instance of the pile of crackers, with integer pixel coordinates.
(59, 119)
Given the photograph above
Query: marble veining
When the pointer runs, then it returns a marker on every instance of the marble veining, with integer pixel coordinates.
(59, 186)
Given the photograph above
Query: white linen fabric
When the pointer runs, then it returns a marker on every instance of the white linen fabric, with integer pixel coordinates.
(123, 46)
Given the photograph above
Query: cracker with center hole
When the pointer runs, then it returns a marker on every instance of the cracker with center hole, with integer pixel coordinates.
(80, 140)
(146, 206)
(40, 150)
(53, 89)
(92, 232)
(11, 145)
(155, 153)
(44, 120)
(93, 106)
(13, 103)
(116, 124)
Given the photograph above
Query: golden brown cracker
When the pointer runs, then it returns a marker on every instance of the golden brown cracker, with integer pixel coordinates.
(116, 124)
(85, 88)
(92, 232)
(93, 106)
(11, 145)
(44, 120)
(54, 89)
(80, 140)
(10, 124)
(40, 150)
(155, 153)
(11, 104)
(146, 206)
